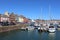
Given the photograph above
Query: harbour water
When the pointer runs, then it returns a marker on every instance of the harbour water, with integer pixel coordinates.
(29, 35)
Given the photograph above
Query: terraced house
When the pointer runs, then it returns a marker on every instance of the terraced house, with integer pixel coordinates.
(22, 19)
(12, 18)
(4, 18)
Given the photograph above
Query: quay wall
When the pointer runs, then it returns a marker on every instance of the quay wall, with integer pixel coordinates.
(12, 27)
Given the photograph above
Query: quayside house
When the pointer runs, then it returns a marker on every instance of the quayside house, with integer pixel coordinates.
(7, 19)
(12, 19)
(22, 19)
(4, 19)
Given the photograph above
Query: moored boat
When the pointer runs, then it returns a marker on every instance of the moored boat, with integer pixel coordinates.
(30, 28)
(51, 29)
(58, 28)
(40, 29)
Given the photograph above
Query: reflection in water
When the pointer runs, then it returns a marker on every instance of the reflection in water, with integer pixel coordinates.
(51, 36)
(29, 35)
(43, 36)
(33, 35)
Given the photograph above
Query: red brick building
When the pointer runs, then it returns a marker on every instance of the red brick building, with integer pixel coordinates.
(25, 20)
(0, 17)
(12, 18)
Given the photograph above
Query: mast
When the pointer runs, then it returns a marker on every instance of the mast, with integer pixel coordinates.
(49, 12)
(41, 13)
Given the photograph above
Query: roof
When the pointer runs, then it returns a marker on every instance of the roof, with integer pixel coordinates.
(5, 16)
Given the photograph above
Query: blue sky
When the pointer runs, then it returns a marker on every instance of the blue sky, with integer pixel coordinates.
(32, 8)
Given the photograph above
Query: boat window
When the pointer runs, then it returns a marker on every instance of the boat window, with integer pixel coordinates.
(51, 26)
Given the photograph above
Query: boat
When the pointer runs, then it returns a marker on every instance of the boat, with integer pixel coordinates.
(58, 27)
(40, 29)
(36, 25)
(51, 28)
(23, 29)
(30, 28)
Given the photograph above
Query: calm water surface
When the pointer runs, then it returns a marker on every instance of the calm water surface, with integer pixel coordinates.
(29, 35)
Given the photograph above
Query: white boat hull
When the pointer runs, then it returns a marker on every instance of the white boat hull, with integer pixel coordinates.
(38, 28)
(30, 28)
(52, 30)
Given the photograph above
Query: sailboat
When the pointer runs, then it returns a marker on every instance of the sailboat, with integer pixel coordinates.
(51, 26)
(40, 25)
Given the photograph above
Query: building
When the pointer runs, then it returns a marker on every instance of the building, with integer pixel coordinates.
(5, 17)
(16, 17)
(22, 19)
(0, 17)
(12, 18)
(25, 20)
(7, 14)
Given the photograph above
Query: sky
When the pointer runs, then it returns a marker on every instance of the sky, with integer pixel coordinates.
(33, 9)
